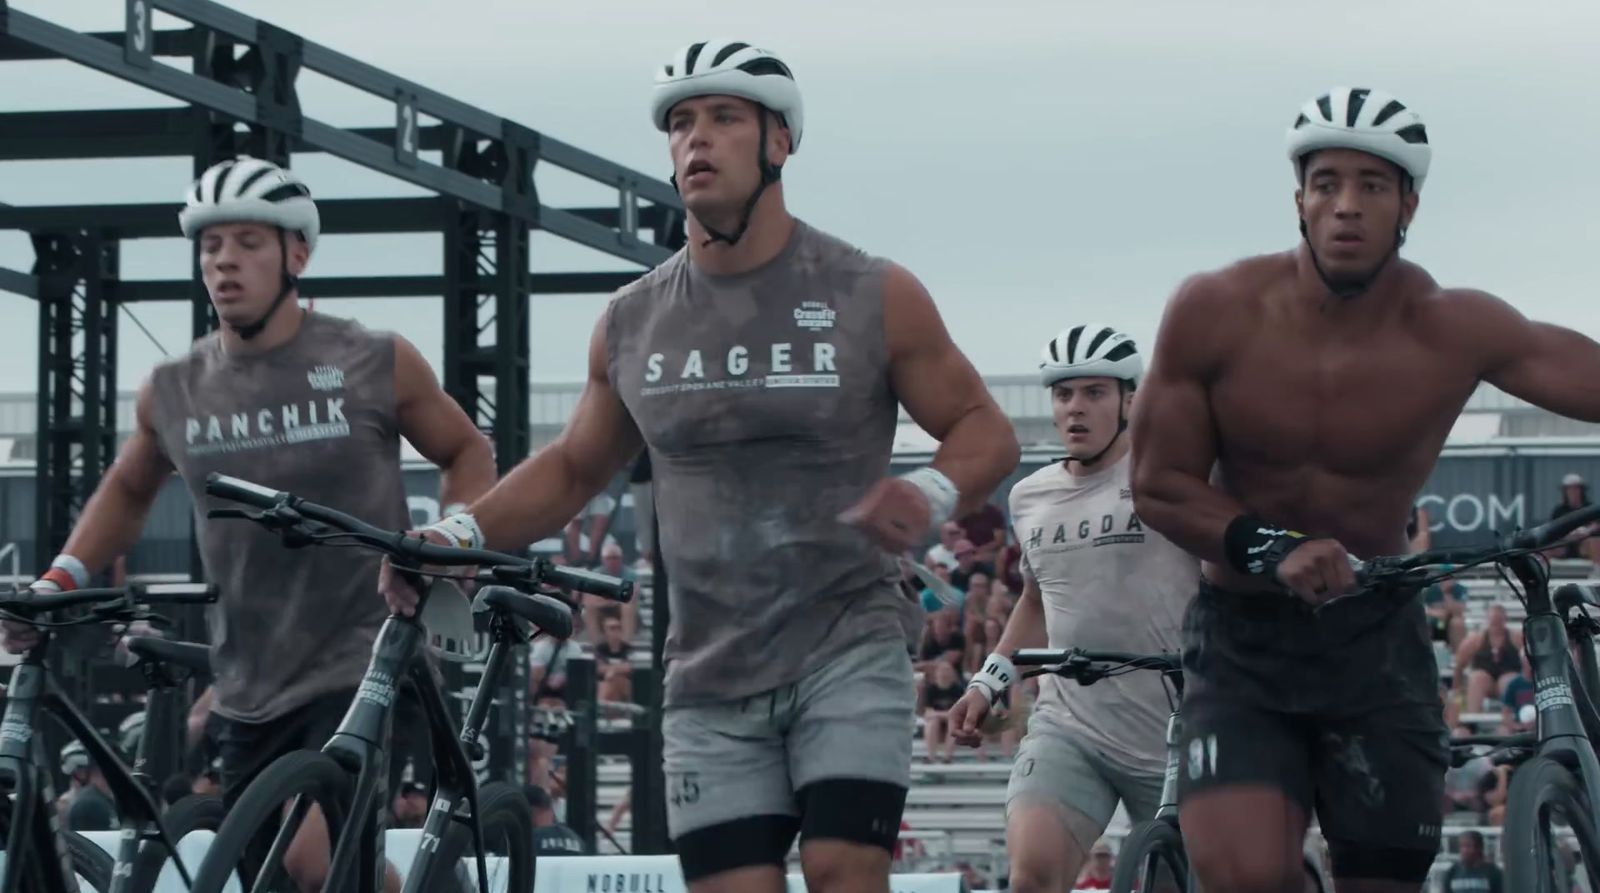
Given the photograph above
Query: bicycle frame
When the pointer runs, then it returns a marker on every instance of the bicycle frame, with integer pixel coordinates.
(360, 746)
(1568, 726)
(1168, 810)
(24, 770)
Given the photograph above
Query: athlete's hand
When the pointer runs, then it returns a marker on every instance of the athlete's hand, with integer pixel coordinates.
(967, 718)
(17, 637)
(397, 591)
(1318, 571)
(894, 513)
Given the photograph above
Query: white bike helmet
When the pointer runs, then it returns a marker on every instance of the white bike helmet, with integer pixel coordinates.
(74, 758)
(1366, 120)
(1090, 350)
(130, 731)
(729, 68)
(249, 190)
(732, 68)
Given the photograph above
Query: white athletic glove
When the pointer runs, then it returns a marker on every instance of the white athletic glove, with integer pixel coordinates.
(996, 676)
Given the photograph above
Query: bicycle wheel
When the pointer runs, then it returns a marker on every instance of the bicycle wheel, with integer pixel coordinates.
(507, 822)
(196, 812)
(1546, 807)
(307, 774)
(1152, 860)
(92, 864)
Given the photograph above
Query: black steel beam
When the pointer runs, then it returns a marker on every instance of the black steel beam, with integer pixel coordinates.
(141, 290)
(173, 42)
(244, 107)
(155, 221)
(96, 133)
(19, 283)
(340, 216)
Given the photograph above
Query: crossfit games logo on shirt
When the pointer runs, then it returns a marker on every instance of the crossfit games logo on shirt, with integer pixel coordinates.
(326, 378)
(814, 316)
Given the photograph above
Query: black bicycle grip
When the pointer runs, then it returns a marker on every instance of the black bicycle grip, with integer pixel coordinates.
(1555, 529)
(240, 490)
(606, 587)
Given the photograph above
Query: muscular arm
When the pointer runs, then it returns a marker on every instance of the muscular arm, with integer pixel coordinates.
(439, 429)
(114, 516)
(1547, 365)
(944, 394)
(1174, 440)
(542, 493)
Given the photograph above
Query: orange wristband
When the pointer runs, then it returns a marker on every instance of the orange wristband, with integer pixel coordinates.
(61, 578)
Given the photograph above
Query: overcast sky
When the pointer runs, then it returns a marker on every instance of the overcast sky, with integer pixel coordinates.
(1035, 164)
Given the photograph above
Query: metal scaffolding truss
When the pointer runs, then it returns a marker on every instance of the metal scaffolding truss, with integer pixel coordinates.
(241, 97)
(239, 82)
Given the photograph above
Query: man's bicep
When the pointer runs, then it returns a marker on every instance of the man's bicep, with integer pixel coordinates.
(932, 378)
(427, 417)
(600, 437)
(142, 465)
(1171, 426)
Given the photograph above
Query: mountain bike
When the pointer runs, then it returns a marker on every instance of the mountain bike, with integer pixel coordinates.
(40, 856)
(1559, 781)
(1152, 858)
(347, 778)
(166, 666)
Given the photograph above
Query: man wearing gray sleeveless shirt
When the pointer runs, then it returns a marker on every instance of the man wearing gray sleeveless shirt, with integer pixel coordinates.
(298, 401)
(763, 367)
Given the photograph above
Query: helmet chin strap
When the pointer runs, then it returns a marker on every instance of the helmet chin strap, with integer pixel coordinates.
(247, 332)
(770, 173)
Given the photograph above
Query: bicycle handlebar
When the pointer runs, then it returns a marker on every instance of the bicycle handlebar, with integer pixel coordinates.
(1400, 568)
(1045, 657)
(27, 603)
(417, 549)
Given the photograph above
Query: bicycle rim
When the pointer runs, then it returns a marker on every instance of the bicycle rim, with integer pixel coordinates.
(1152, 861)
(1548, 830)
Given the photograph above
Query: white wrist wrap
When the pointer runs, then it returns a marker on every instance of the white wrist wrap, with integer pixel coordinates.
(74, 569)
(460, 529)
(996, 676)
(940, 490)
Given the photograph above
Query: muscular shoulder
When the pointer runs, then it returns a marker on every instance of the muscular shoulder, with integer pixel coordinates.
(205, 350)
(644, 291)
(343, 332)
(825, 251)
(1467, 322)
(1212, 311)
(1235, 291)
(1041, 481)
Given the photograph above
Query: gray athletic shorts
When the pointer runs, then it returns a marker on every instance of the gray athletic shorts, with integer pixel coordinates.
(851, 719)
(1054, 766)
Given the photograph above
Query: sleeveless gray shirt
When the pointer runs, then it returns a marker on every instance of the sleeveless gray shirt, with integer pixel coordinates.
(765, 402)
(316, 417)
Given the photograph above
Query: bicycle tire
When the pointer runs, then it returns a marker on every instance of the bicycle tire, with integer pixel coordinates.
(1537, 785)
(506, 819)
(93, 864)
(196, 812)
(302, 772)
(1148, 846)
